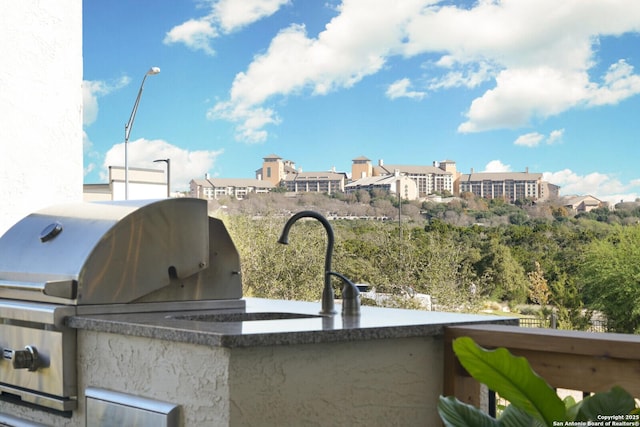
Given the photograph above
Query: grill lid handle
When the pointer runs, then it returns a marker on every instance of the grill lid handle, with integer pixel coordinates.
(66, 288)
(61, 288)
(50, 231)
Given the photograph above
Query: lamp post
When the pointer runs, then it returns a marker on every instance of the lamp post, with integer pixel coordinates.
(127, 130)
(168, 162)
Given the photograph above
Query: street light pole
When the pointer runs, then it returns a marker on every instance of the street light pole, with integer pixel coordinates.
(127, 130)
(168, 162)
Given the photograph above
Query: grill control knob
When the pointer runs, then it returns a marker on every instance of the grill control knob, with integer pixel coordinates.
(23, 359)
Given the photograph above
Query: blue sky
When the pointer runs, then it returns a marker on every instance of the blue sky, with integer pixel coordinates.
(492, 85)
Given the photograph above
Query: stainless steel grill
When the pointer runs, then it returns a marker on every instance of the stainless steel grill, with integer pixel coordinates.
(134, 256)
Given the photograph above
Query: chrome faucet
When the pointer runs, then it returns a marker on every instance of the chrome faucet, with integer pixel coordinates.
(351, 294)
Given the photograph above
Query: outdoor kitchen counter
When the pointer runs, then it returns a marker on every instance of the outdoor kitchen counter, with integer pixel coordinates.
(383, 368)
(374, 323)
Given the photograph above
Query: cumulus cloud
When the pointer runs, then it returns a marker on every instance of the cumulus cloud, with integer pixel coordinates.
(468, 75)
(233, 14)
(400, 89)
(91, 155)
(185, 164)
(225, 16)
(618, 83)
(196, 34)
(603, 186)
(555, 136)
(92, 90)
(534, 139)
(497, 166)
(532, 59)
(338, 58)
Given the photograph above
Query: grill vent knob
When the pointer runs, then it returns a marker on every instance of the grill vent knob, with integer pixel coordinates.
(23, 359)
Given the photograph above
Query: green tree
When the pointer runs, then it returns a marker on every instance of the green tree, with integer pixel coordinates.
(538, 288)
(505, 275)
(272, 270)
(569, 307)
(610, 273)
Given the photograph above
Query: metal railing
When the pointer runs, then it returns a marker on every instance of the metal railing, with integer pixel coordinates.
(595, 325)
(574, 360)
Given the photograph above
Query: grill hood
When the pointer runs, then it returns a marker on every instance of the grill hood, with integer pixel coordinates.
(119, 252)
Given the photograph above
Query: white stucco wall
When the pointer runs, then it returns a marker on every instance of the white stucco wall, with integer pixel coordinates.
(40, 106)
(374, 383)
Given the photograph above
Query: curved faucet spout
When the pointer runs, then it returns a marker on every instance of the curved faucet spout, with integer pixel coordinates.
(327, 292)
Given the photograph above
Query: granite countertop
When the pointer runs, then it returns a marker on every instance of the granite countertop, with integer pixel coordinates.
(302, 325)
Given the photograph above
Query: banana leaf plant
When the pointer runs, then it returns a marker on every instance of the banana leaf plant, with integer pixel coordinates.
(533, 403)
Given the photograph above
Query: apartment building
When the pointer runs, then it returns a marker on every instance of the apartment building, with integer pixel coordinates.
(274, 169)
(412, 181)
(283, 172)
(315, 182)
(509, 186)
(437, 178)
(214, 188)
(394, 184)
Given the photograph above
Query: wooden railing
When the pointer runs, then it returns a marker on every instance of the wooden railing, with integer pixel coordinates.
(574, 360)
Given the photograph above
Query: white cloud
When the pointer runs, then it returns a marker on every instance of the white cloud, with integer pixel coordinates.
(463, 75)
(555, 136)
(602, 186)
(196, 34)
(541, 54)
(234, 14)
(224, 17)
(185, 165)
(338, 58)
(522, 94)
(536, 55)
(619, 83)
(497, 166)
(90, 154)
(534, 139)
(92, 90)
(400, 89)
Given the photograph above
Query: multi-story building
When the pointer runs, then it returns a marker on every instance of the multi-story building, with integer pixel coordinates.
(274, 169)
(395, 184)
(441, 177)
(283, 172)
(315, 182)
(214, 188)
(549, 191)
(509, 186)
(438, 178)
(143, 184)
(361, 168)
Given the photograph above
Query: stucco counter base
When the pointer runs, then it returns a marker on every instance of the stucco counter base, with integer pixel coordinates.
(385, 369)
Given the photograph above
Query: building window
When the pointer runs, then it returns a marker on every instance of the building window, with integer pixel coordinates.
(269, 172)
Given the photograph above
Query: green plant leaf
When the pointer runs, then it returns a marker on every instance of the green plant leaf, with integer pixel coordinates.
(458, 414)
(512, 378)
(569, 401)
(513, 416)
(572, 407)
(614, 402)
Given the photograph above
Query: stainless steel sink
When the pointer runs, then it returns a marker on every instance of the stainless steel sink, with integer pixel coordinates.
(241, 316)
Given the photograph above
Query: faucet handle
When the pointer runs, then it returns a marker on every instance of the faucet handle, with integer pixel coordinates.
(350, 296)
